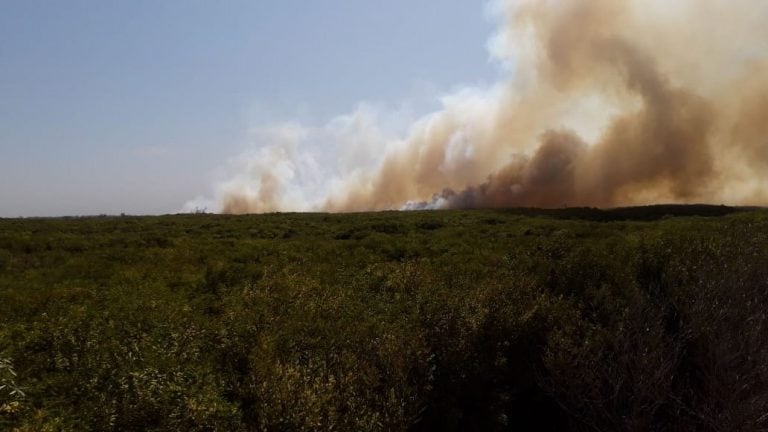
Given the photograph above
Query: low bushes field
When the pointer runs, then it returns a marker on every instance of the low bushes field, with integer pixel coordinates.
(576, 319)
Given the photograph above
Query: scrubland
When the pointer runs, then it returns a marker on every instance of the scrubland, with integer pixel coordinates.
(576, 319)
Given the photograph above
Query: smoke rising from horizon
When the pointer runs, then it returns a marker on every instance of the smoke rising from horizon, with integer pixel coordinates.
(609, 103)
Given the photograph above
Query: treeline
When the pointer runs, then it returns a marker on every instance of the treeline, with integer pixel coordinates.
(461, 320)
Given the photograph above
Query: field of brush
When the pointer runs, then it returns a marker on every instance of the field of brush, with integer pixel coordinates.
(577, 319)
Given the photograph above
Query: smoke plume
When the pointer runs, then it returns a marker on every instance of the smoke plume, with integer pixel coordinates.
(608, 103)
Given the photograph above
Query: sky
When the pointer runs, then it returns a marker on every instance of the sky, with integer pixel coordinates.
(111, 107)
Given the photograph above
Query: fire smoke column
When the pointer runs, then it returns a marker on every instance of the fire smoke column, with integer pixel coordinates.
(611, 102)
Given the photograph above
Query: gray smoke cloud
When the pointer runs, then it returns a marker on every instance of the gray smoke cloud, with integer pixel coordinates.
(611, 102)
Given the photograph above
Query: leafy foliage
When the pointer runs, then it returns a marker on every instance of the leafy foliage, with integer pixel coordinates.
(577, 319)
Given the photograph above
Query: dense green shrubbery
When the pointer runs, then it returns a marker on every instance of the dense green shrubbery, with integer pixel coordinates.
(474, 320)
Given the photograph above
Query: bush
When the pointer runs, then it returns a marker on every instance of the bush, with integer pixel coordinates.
(460, 320)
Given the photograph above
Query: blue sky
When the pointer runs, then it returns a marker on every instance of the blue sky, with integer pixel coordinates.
(129, 106)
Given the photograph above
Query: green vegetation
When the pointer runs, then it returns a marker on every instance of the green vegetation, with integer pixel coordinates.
(454, 320)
